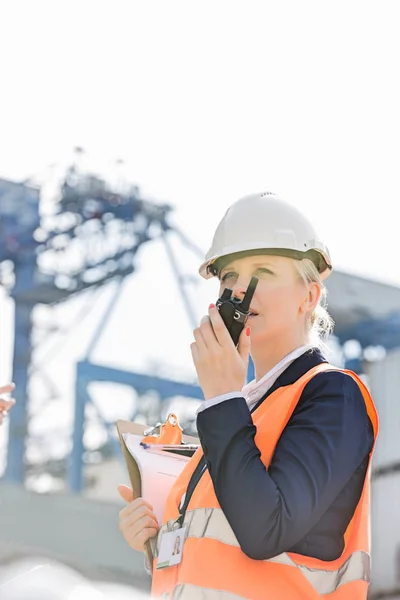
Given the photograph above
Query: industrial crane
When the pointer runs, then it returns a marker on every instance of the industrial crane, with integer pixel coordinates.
(89, 236)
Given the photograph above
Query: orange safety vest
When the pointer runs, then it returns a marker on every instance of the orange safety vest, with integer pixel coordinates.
(213, 566)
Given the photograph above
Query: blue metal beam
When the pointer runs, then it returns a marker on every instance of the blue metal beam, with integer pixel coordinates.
(166, 388)
(19, 218)
(82, 398)
(86, 373)
(15, 470)
(181, 281)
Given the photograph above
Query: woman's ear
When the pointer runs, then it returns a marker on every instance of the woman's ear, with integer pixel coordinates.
(312, 298)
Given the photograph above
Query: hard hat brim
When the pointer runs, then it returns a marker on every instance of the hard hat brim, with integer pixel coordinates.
(211, 267)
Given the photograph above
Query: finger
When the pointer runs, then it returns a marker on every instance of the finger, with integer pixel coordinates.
(135, 511)
(6, 404)
(126, 493)
(138, 541)
(133, 529)
(7, 389)
(200, 342)
(146, 534)
(244, 344)
(207, 331)
(195, 352)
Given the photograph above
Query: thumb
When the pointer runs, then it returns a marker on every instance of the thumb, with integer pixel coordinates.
(126, 493)
(244, 345)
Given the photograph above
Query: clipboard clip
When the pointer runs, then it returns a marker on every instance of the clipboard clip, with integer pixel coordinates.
(153, 430)
(169, 432)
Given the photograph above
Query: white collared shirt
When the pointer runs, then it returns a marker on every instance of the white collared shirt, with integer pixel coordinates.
(255, 390)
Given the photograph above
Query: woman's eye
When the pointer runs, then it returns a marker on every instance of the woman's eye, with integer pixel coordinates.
(232, 275)
(228, 275)
(264, 270)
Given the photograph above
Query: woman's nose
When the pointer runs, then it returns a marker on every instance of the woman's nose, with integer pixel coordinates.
(240, 287)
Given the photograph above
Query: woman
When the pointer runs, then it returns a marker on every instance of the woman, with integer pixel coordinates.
(177, 546)
(6, 405)
(275, 505)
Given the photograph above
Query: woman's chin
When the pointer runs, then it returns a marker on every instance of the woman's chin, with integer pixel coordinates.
(259, 334)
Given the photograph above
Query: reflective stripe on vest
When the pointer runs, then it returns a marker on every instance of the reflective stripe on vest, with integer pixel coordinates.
(212, 523)
(187, 591)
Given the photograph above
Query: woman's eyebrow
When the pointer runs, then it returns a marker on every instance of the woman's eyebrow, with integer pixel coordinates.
(263, 263)
(227, 268)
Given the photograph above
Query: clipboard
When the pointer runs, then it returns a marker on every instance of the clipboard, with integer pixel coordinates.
(124, 427)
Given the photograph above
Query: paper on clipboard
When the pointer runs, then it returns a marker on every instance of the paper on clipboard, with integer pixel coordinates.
(152, 474)
(158, 472)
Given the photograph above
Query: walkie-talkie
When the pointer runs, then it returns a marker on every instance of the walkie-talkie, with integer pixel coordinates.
(235, 312)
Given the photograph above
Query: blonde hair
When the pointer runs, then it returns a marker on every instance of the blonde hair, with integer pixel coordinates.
(319, 323)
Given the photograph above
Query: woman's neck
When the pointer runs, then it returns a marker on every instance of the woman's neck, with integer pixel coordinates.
(266, 358)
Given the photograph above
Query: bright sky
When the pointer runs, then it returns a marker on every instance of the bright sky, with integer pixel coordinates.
(209, 101)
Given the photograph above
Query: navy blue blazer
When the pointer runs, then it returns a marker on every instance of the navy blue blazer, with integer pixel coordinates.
(305, 500)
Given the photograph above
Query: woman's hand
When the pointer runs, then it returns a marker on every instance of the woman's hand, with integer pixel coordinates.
(221, 368)
(137, 522)
(6, 405)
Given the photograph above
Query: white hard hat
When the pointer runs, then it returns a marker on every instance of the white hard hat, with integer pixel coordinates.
(265, 224)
